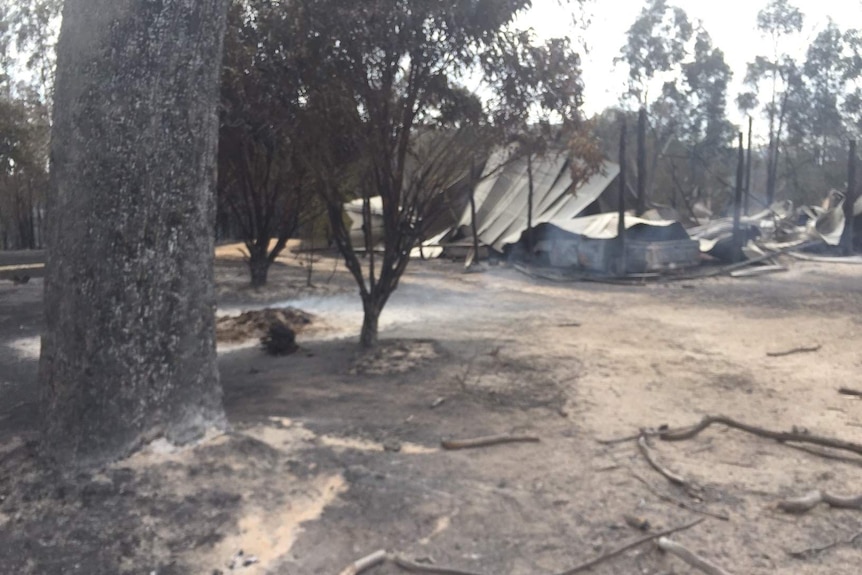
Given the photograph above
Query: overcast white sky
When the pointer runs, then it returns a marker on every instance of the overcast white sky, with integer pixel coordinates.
(731, 23)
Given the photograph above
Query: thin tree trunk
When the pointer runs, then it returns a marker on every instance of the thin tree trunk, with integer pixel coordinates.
(258, 265)
(642, 175)
(129, 346)
(530, 207)
(473, 179)
(848, 239)
(748, 166)
(621, 208)
(370, 320)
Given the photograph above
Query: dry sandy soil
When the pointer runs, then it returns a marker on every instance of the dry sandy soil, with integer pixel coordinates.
(334, 454)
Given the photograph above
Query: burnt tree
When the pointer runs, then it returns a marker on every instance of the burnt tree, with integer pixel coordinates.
(380, 76)
(260, 180)
(129, 345)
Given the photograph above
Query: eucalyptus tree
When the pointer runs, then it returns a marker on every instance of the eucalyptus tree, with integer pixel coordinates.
(678, 76)
(128, 351)
(378, 75)
(778, 75)
(261, 180)
(26, 78)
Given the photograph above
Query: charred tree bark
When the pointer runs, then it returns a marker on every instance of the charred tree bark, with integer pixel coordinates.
(642, 175)
(258, 265)
(737, 203)
(530, 207)
(847, 239)
(474, 177)
(621, 208)
(748, 166)
(370, 321)
(129, 346)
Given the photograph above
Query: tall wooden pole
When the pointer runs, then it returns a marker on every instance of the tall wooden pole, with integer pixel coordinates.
(530, 206)
(737, 202)
(642, 173)
(473, 179)
(621, 215)
(849, 201)
(748, 165)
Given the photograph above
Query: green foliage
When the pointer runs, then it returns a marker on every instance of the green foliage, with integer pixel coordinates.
(26, 76)
(812, 105)
(655, 43)
(377, 75)
(780, 18)
(687, 115)
(28, 34)
(261, 191)
(779, 76)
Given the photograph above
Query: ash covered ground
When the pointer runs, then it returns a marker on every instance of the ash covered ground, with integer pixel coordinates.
(334, 454)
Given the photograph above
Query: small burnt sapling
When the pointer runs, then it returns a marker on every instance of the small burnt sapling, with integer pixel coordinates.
(280, 339)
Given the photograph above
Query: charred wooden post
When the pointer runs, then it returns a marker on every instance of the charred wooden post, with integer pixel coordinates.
(621, 219)
(748, 166)
(737, 202)
(530, 206)
(642, 173)
(473, 179)
(849, 201)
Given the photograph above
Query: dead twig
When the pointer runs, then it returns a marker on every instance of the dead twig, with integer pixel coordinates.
(365, 563)
(420, 568)
(618, 440)
(632, 437)
(632, 544)
(486, 441)
(794, 350)
(815, 550)
(678, 502)
(674, 478)
(690, 557)
(781, 436)
(827, 454)
(811, 499)
(848, 391)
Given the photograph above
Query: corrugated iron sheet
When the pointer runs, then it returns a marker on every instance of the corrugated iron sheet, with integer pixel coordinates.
(501, 197)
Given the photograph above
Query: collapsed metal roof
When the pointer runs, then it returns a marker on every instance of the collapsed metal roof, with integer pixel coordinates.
(501, 196)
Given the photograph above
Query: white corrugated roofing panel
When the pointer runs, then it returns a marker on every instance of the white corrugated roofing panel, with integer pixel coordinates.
(501, 198)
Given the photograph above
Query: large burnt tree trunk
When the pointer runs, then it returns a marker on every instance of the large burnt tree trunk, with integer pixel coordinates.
(258, 264)
(129, 345)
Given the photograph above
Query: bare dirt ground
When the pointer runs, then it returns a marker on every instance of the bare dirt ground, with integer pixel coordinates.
(334, 453)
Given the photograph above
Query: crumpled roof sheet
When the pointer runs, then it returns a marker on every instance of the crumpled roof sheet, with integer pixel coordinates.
(501, 197)
(604, 226)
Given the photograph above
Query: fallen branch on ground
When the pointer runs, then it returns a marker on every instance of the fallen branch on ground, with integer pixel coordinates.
(674, 478)
(794, 350)
(757, 271)
(622, 549)
(678, 502)
(648, 432)
(810, 500)
(420, 568)
(486, 441)
(827, 454)
(617, 440)
(365, 563)
(848, 391)
(690, 557)
(815, 550)
(782, 436)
